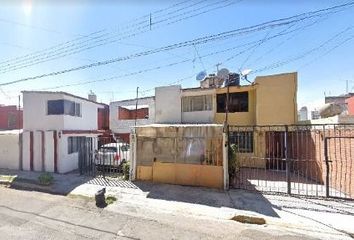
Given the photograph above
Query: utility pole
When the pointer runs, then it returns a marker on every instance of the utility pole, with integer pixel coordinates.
(347, 86)
(136, 105)
(217, 67)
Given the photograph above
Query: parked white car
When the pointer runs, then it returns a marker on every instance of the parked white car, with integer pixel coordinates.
(112, 154)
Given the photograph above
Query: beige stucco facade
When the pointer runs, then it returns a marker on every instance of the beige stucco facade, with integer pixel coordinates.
(271, 101)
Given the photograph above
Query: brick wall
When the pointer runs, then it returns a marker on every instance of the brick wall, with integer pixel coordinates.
(125, 114)
(10, 118)
(307, 150)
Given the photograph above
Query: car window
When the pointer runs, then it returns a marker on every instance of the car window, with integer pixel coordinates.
(108, 149)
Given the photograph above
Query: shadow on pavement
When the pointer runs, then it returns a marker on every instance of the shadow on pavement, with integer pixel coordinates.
(236, 199)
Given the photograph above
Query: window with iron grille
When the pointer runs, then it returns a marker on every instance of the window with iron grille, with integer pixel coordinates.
(238, 102)
(243, 141)
(74, 144)
(197, 103)
(11, 120)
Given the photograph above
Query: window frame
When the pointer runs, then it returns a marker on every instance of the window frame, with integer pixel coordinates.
(188, 103)
(74, 144)
(66, 107)
(241, 97)
(246, 138)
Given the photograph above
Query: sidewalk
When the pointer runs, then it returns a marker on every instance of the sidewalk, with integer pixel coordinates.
(63, 184)
(327, 218)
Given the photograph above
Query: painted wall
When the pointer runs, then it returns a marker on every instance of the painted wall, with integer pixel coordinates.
(9, 151)
(41, 153)
(168, 104)
(276, 99)
(239, 118)
(68, 162)
(35, 108)
(180, 154)
(124, 126)
(350, 105)
(199, 116)
(8, 112)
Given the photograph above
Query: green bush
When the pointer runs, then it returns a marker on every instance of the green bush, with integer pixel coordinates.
(234, 163)
(110, 199)
(45, 179)
(126, 170)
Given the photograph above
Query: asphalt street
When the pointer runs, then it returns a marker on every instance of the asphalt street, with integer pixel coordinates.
(34, 215)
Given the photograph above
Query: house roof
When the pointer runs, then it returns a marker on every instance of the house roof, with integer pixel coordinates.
(133, 99)
(64, 93)
(133, 107)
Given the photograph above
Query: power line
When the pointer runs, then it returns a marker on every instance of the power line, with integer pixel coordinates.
(249, 46)
(202, 40)
(95, 41)
(305, 54)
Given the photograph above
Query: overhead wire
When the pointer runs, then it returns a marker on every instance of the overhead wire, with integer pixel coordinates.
(201, 40)
(92, 42)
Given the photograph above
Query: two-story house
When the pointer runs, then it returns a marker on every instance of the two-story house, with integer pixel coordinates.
(268, 101)
(54, 126)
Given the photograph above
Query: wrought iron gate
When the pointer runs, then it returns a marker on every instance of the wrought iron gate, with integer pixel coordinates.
(311, 160)
(102, 156)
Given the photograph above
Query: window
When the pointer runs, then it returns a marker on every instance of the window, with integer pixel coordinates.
(11, 120)
(243, 141)
(74, 144)
(130, 113)
(197, 103)
(238, 102)
(64, 107)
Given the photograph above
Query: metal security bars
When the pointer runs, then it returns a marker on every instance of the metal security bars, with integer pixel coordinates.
(102, 156)
(311, 160)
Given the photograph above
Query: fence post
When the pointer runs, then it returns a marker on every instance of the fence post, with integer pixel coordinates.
(133, 149)
(287, 160)
(327, 165)
(225, 141)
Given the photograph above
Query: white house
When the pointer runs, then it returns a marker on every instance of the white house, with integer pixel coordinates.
(126, 114)
(190, 105)
(54, 125)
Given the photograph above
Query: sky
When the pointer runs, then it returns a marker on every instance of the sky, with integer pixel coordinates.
(320, 49)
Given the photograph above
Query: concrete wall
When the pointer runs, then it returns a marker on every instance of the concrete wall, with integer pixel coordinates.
(199, 116)
(67, 162)
(276, 99)
(124, 126)
(168, 104)
(180, 154)
(9, 151)
(35, 108)
(39, 151)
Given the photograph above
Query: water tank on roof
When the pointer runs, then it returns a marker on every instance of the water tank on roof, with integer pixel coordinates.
(92, 96)
(233, 80)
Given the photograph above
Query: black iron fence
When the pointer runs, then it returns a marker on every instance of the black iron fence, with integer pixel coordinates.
(102, 156)
(312, 160)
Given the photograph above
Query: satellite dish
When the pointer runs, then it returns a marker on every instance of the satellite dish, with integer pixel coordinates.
(200, 76)
(223, 73)
(245, 72)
